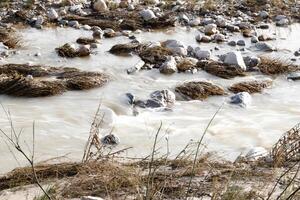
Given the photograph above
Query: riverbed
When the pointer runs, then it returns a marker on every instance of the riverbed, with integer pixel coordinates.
(62, 122)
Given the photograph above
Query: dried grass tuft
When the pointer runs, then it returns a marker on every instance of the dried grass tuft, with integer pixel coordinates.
(271, 66)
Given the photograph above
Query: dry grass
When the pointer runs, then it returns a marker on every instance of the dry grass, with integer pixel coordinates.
(250, 86)
(275, 66)
(199, 90)
(10, 38)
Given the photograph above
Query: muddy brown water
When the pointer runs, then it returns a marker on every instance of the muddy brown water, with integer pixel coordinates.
(63, 122)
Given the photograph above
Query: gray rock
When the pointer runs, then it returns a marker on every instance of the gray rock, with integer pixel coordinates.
(221, 22)
(295, 76)
(264, 14)
(147, 14)
(111, 140)
(232, 43)
(235, 58)
(73, 23)
(241, 43)
(297, 53)
(263, 46)
(220, 37)
(52, 14)
(176, 47)
(169, 66)
(98, 34)
(136, 68)
(251, 62)
(202, 54)
(100, 6)
(167, 97)
(195, 22)
(242, 99)
(39, 22)
(254, 39)
(84, 50)
(210, 29)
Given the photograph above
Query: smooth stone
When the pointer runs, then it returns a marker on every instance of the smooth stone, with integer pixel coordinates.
(242, 99)
(235, 58)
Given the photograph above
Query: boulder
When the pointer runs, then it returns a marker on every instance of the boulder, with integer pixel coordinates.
(210, 29)
(202, 54)
(167, 97)
(100, 6)
(186, 64)
(235, 58)
(176, 47)
(169, 66)
(242, 99)
(52, 14)
(147, 14)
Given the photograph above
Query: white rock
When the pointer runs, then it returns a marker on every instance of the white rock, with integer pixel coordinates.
(100, 6)
(52, 14)
(202, 54)
(166, 97)
(235, 58)
(256, 153)
(147, 14)
(242, 99)
(198, 37)
(210, 29)
(169, 66)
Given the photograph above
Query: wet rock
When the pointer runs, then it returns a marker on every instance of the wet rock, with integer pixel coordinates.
(250, 86)
(40, 81)
(203, 38)
(256, 153)
(195, 22)
(85, 41)
(233, 28)
(242, 99)
(264, 14)
(210, 29)
(254, 39)
(110, 139)
(176, 47)
(221, 22)
(220, 69)
(295, 76)
(136, 67)
(109, 33)
(100, 6)
(265, 37)
(73, 23)
(9, 38)
(248, 32)
(154, 55)
(83, 50)
(68, 50)
(263, 26)
(169, 66)
(220, 37)
(39, 22)
(232, 43)
(263, 46)
(166, 97)
(124, 49)
(202, 54)
(198, 38)
(86, 27)
(186, 64)
(251, 62)
(52, 14)
(131, 98)
(235, 58)
(283, 22)
(297, 53)
(241, 43)
(199, 90)
(130, 7)
(147, 14)
(98, 34)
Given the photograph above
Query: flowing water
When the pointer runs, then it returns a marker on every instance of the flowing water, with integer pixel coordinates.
(62, 122)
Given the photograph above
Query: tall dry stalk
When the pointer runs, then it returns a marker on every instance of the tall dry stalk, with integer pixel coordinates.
(14, 139)
(198, 149)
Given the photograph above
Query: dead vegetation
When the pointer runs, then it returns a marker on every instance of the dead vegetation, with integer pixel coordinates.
(85, 41)
(71, 52)
(9, 38)
(250, 86)
(154, 55)
(199, 90)
(38, 81)
(220, 69)
(271, 66)
(124, 49)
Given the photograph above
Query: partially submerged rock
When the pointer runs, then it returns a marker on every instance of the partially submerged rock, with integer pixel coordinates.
(250, 86)
(271, 66)
(124, 49)
(68, 50)
(39, 81)
(199, 90)
(169, 66)
(85, 41)
(235, 58)
(186, 64)
(242, 99)
(220, 69)
(154, 55)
